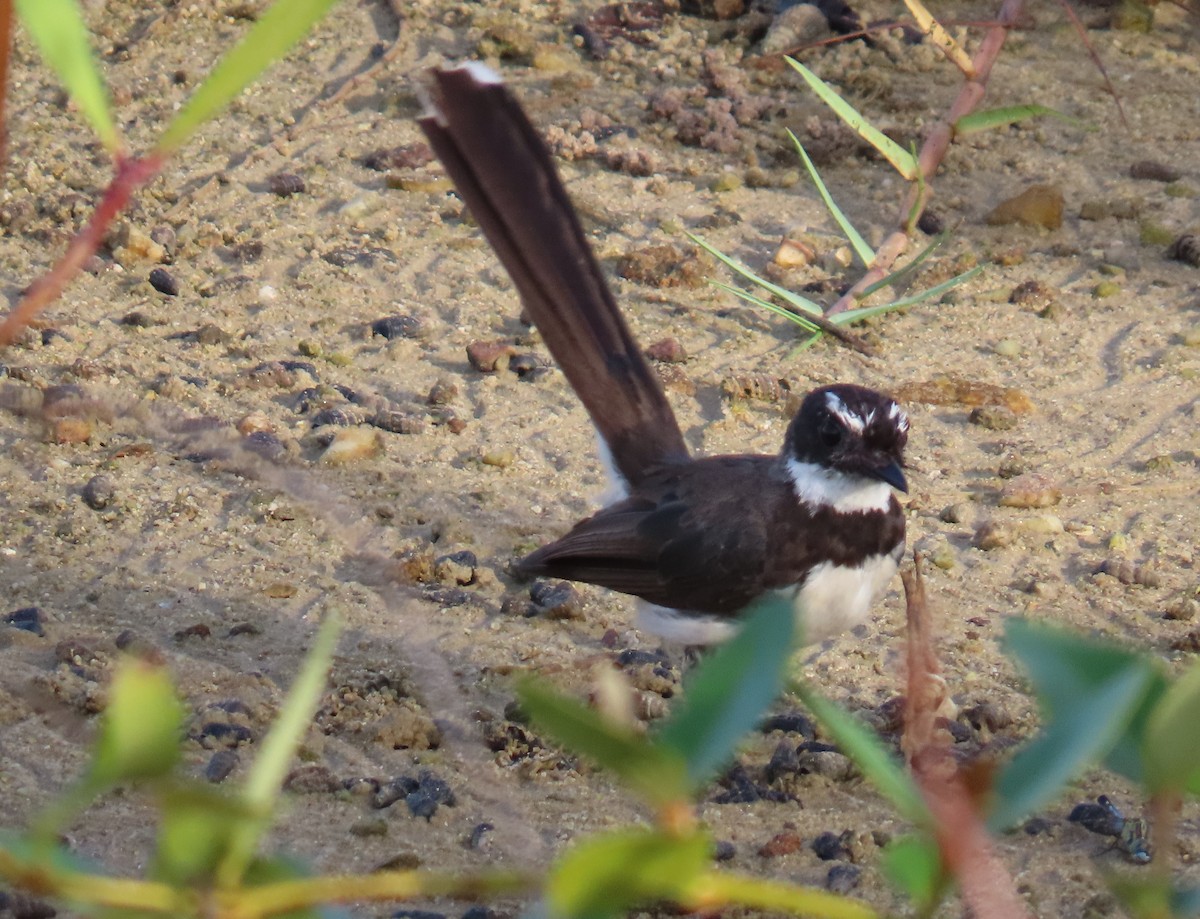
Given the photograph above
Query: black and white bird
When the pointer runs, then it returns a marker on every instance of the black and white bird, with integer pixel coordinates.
(698, 540)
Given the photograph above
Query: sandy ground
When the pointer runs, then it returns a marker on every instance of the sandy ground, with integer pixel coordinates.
(219, 552)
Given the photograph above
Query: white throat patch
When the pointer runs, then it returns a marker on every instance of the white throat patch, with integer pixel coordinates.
(818, 486)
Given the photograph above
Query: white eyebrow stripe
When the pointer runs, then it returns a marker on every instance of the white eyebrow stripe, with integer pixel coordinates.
(850, 419)
(898, 415)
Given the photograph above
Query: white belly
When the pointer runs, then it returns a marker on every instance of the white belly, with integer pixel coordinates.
(835, 598)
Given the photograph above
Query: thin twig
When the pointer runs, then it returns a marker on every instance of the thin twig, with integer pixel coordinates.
(933, 152)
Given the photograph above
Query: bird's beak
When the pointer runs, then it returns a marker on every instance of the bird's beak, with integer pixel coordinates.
(893, 475)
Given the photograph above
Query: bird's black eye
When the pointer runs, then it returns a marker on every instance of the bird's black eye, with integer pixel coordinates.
(830, 431)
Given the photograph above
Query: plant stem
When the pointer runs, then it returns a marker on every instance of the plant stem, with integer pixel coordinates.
(933, 151)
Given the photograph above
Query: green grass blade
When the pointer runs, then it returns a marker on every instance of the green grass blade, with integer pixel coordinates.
(729, 691)
(763, 895)
(766, 305)
(1010, 114)
(902, 274)
(277, 30)
(266, 776)
(58, 29)
(866, 312)
(1171, 748)
(903, 161)
(864, 748)
(787, 296)
(865, 253)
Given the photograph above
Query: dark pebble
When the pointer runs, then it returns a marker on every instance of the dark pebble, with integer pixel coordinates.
(635, 657)
(515, 713)
(220, 766)
(294, 366)
(270, 373)
(245, 628)
(478, 832)
(556, 599)
(286, 184)
(50, 336)
(842, 878)
(265, 444)
(164, 282)
(829, 846)
(199, 630)
(1031, 291)
(528, 366)
(479, 912)
(930, 223)
(448, 597)
(958, 731)
(408, 156)
(398, 327)
(393, 790)
(27, 619)
(784, 761)
(99, 492)
(667, 350)
(421, 804)
(311, 780)
(417, 914)
(223, 735)
(137, 319)
(1037, 826)
(1186, 249)
(1099, 818)
(1154, 171)
(233, 706)
(790, 723)
(993, 417)
(724, 851)
(739, 788)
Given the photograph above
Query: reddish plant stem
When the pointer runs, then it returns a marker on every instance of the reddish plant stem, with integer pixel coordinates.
(5, 55)
(933, 151)
(131, 174)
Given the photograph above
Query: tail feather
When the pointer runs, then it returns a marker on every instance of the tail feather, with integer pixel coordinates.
(505, 175)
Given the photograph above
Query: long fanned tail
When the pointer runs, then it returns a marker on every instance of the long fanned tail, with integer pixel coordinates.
(504, 173)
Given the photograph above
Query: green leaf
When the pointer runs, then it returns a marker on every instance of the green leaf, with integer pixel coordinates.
(1096, 697)
(859, 743)
(1171, 746)
(1153, 897)
(58, 29)
(1044, 766)
(913, 864)
(769, 306)
(141, 727)
(197, 826)
(903, 161)
(659, 775)
(931, 293)
(272, 36)
(763, 895)
(606, 875)
(266, 776)
(801, 303)
(865, 253)
(1011, 114)
(729, 690)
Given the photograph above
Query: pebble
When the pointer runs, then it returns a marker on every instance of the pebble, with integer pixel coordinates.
(528, 366)
(221, 765)
(400, 326)
(1008, 347)
(223, 735)
(781, 844)
(478, 832)
(70, 431)
(27, 619)
(164, 282)
(1186, 249)
(312, 779)
(489, 356)
(1131, 573)
(794, 253)
(369, 826)
(556, 599)
(797, 26)
(783, 761)
(99, 492)
(1106, 289)
(501, 459)
(793, 722)
(1029, 292)
(995, 534)
(724, 851)
(821, 759)
(842, 878)
(255, 422)
(1038, 205)
(458, 568)
(395, 421)
(993, 417)
(340, 416)
(667, 351)
(1030, 490)
(1154, 171)
(210, 334)
(351, 444)
(443, 392)
(286, 184)
(408, 156)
